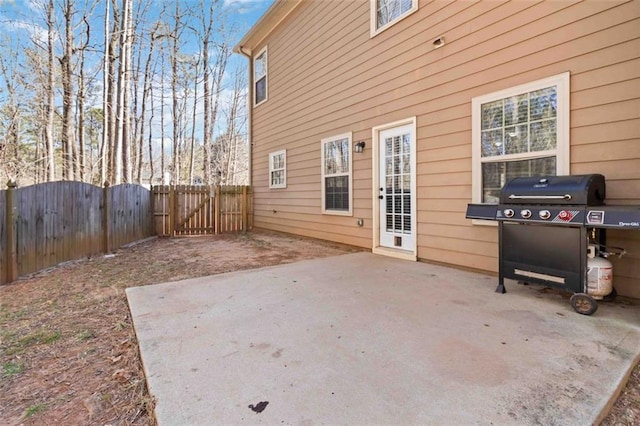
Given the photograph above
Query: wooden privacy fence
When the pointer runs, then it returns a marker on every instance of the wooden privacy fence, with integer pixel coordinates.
(45, 224)
(201, 210)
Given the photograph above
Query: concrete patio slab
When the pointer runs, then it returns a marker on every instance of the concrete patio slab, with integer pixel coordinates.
(365, 339)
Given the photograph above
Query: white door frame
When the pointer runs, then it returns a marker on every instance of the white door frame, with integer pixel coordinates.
(411, 254)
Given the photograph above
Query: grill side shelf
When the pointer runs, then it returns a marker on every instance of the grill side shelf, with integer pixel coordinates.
(613, 217)
(482, 211)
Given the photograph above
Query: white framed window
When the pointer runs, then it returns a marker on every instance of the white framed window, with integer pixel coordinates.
(278, 169)
(336, 171)
(385, 13)
(260, 77)
(520, 131)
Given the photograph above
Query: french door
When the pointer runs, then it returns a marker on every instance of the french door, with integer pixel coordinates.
(397, 187)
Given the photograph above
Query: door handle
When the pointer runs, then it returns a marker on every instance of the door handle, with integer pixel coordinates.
(380, 197)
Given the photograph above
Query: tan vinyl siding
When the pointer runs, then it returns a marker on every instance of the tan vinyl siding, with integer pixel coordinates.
(327, 76)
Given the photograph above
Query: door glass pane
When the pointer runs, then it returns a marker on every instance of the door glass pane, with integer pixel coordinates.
(406, 164)
(406, 143)
(398, 184)
(396, 145)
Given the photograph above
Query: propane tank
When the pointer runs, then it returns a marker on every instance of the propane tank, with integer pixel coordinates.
(599, 274)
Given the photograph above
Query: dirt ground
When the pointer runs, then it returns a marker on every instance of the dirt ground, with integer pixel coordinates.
(68, 350)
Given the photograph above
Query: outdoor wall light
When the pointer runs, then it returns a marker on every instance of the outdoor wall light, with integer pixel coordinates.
(439, 42)
(360, 146)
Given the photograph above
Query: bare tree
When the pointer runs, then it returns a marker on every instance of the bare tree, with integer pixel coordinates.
(214, 72)
(139, 44)
(177, 117)
(162, 126)
(49, 106)
(122, 154)
(82, 92)
(67, 93)
(229, 154)
(147, 95)
(148, 68)
(11, 119)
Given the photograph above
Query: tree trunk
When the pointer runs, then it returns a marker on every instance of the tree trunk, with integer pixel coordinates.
(121, 128)
(67, 95)
(162, 127)
(111, 96)
(81, 100)
(49, 106)
(147, 91)
(174, 93)
(151, 172)
(104, 147)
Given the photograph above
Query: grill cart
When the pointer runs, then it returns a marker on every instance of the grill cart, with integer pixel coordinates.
(552, 231)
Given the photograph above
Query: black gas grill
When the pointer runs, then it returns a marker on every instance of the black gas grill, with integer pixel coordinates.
(545, 225)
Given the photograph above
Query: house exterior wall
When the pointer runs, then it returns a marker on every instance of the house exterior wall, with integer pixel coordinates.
(327, 76)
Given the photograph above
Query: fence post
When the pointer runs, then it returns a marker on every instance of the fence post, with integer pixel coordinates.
(172, 210)
(153, 228)
(217, 204)
(106, 216)
(11, 216)
(245, 208)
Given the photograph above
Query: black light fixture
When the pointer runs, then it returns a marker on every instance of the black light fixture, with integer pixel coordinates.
(360, 146)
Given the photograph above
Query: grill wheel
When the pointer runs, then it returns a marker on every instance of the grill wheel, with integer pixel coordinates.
(583, 303)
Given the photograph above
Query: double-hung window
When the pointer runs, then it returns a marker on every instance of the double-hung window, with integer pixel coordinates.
(521, 131)
(260, 77)
(385, 13)
(336, 175)
(278, 169)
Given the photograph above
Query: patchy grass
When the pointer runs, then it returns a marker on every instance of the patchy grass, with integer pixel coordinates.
(68, 350)
(44, 337)
(10, 368)
(33, 410)
(85, 335)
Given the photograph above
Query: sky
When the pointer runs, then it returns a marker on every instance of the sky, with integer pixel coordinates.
(24, 20)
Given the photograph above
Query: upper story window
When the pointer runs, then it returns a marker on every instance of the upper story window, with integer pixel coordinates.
(336, 174)
(385, 13)
(260, 77)
(521, 131)
(278, 169)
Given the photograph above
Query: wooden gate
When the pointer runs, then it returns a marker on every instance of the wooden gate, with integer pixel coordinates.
(202, 210)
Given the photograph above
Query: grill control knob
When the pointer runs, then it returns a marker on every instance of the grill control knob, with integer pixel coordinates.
(544, 214)
(508, 212)
(526, 213)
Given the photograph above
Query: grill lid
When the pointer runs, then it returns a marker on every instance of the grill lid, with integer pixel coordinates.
(584, 190)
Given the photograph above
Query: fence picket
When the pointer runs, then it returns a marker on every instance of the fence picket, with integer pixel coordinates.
(201, 210)
(49, 223)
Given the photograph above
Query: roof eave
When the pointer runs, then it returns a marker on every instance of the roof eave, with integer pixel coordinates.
(276, 13)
